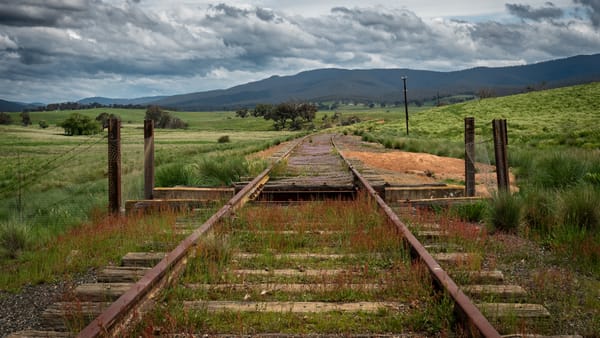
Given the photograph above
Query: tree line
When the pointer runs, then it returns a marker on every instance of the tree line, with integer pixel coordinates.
(297, 114)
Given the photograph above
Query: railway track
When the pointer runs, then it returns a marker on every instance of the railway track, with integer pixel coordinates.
(289, 265)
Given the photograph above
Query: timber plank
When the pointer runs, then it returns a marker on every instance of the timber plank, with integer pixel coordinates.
(497, 291)
(145, 259)
(121, 274)
(288, 287)
(287, 307)
(40, 334)
(97, 292)
(60, 316)
(519, 310)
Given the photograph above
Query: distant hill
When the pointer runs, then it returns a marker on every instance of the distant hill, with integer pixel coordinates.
(385, 85)
(8, 106)
(106, 101)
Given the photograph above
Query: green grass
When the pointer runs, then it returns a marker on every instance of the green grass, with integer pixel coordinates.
(53, 182)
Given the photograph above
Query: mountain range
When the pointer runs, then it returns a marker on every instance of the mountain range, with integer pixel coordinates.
(379, 85)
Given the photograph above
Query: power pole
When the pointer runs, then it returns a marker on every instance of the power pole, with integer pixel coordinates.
(405, 103)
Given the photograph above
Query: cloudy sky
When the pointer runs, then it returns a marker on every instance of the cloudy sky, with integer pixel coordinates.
(60, 50)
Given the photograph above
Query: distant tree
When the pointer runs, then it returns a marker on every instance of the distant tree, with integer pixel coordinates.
(163, 119)
(103, 118)
(43, 124)
(154, 113)
(485, 93)
(5, 118)
(296, 113)
(262, 110)
(25, 119)
(78, 124)
(243, 113)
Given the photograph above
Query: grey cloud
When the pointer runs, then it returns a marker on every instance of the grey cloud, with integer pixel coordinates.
(593, 10)
(94, 39)
(30, 13)
(535, 14)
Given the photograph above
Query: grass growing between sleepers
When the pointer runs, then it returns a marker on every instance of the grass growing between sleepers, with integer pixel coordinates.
(240, 259)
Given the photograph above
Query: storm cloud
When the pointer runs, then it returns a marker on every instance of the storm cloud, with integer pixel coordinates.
(137, 48)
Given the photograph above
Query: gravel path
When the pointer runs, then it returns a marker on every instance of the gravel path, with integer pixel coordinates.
(23, 310)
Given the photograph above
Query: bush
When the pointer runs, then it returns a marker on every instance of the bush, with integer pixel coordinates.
(78, 124)
(223, 139)
(43, 124)
(504, 213)
(14, 238)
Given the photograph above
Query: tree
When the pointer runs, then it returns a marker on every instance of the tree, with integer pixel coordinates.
(262, 110)
(163, 119)
(103, 119)
(296, 113)
(243, 113)
(25, 118)
(5, 118)
(154, 113)
(78, 124)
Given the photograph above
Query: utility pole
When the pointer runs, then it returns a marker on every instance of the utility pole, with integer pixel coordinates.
(405, 103)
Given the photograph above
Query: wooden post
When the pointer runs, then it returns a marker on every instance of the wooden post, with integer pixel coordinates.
(148, 159)
(469, 156)
(500, 150)
(114, 166)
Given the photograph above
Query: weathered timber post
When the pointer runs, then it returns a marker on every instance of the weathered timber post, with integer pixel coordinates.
(114, 165)
(148, 159)
(469, 156)
(500, 150)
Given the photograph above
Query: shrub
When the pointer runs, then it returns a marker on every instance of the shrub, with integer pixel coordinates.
(504, 213)
(78, 124)
(43, 124)
(223, 139)
(580, 208)
(14, 238)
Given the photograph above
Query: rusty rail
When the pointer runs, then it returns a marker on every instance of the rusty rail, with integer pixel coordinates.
(114, 320)
(474, 323)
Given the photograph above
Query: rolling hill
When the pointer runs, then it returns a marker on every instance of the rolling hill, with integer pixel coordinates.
(385, 85)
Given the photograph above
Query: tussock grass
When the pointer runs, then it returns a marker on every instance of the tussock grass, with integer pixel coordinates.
(14, 238)
(504, 213)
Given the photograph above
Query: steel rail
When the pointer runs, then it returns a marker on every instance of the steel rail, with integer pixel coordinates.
(476, 324)
(113, 321)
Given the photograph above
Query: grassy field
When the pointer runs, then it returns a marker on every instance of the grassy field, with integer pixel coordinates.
(51, 184)
(554, 150)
